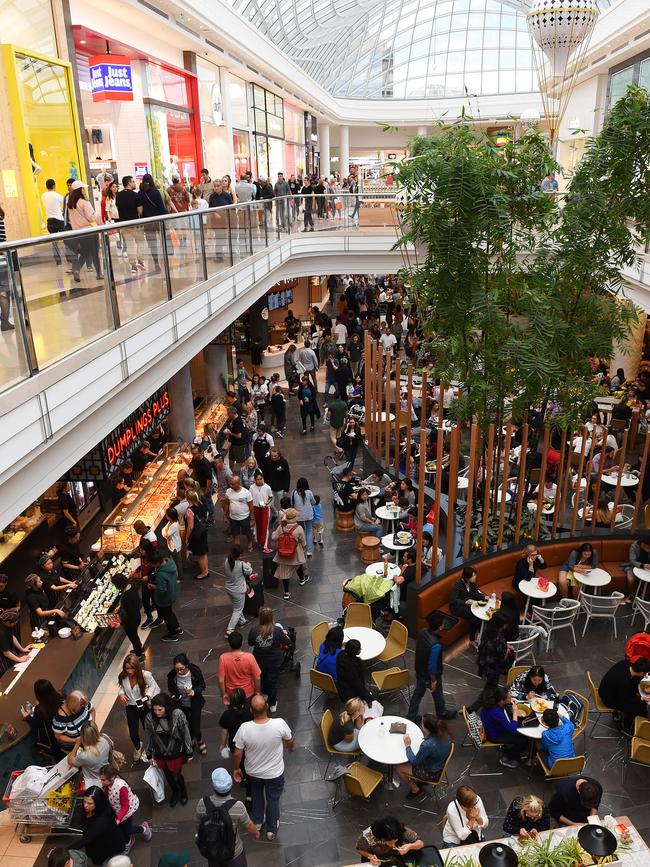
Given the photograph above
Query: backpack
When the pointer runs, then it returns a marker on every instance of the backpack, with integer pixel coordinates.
(574, 706)
(287, 545)
(215, 838)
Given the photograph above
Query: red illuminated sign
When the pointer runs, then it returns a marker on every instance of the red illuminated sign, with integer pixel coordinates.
(126, 438)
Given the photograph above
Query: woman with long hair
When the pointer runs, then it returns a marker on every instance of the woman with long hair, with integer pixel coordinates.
(532, 683)
(463, 593)
(168, 744)
(493, 653)
(196, 533)
(90, 753)
(100, 835)
(308, 405)
(344, 733)
(329, 650)
(82, 216)
(109, 211)
(302, 499)
(137, 688)
(267, 639)
(185, 685)
(387, 839)
(49, 700)
(150, 204)
(236, 571)
(581, 560)
(288, 565)
(364, 520)
(430, 759)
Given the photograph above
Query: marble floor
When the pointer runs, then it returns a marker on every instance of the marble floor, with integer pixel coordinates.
(311, 834)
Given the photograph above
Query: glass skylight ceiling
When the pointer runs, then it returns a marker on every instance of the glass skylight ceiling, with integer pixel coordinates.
(403, 49)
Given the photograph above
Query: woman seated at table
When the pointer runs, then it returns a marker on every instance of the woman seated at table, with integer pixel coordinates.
(364, 520)
(350, 678)
(527, 566)
(603, 513)
(463, 593)
(526, 817)
(581, 560)
(466, 819)
(501, 726)
(386, 840)
(344, 733)
(533, 683)
(430, 759)
(329, 651)
(510, 609)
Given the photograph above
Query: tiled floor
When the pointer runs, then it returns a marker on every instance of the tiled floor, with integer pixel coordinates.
(310, 834)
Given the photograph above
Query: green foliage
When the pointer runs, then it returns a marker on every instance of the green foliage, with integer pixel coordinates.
(526, 525)
(516, 289)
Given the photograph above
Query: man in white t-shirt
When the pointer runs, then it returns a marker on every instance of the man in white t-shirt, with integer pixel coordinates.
(239, 509)
(262, 741)
(340, 334)
(388, 340)
(53, 207)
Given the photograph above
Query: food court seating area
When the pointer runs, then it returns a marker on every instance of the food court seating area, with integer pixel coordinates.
(495, 573)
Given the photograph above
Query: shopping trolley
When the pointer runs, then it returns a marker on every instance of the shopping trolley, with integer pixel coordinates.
(50, 813)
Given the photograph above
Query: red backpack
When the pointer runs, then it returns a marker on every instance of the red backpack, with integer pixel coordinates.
(287, 545)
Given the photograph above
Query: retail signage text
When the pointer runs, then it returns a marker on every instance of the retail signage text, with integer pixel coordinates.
(110, 78)
(127, 437)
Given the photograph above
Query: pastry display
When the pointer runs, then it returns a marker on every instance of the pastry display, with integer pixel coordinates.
(215, 414)
(102, 595)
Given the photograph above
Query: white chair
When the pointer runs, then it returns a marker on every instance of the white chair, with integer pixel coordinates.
(554, 619)
(626, 511)
(525, 645)
(600, 608)
(642, 607)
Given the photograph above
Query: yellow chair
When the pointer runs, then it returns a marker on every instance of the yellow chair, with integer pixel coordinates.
(442, 777)
(514, 672)
(317, 636)
(392, 679)
(485, 745)
(396, 642)
(326, 723)
(361, 780)
(599, 709)
(580, 724)
(561, 767)
(642, 728)
(358, 614)
(639, 747)
(322, 682)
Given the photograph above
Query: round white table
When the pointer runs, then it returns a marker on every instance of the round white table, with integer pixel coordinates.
(531, 590)
(644, 577)
(462, 483)
(376, 742)
(482, 613)
(535, 732)
(381, 417)
(387, 513)
(617, 520)
(372, 642)
(547, 509)
(628, 480)
(378, 569)
(387, 542)
(595, 578)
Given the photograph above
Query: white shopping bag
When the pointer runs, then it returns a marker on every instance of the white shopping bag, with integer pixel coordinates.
(36, 782)
(375, 710)
(154, 777)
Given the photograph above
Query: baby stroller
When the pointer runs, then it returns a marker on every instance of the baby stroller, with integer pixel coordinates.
(377, 592)
(289, 662)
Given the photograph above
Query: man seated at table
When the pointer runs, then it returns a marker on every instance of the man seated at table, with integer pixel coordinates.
(345, 497)
(638, 557)
(619, 689)
(557, 738)
(575, 800)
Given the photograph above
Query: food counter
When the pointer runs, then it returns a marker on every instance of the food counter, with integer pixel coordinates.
(147, 501)
(212, 411)
(273, 359)
(18, 530)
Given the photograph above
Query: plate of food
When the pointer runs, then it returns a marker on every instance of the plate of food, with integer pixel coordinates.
(430, 466)
(539, 705)
(524, 708)
(481, 603)
(372, 489)
(404, 538)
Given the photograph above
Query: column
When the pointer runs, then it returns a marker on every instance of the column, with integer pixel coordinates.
(629, 359)
(344, 151)
(324, 145)
(215, 358)
(181, 407)
(227, 116)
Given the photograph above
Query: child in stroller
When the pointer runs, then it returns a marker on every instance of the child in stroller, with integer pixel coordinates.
(381, 594)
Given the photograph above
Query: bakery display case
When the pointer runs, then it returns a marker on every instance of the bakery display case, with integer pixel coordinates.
(212, 411)
(146, 501)
(96, 598)
(14, 534)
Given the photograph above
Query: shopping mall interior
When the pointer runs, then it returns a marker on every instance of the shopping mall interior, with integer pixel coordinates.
(324, 433)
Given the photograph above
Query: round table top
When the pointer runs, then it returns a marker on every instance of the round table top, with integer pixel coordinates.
(376, 741)
(462, 483)
(378, 569)
(547, 509)
(594, 578)
(532, 589)
(387, 542)
(387, 514)
(535, 732)
(641, 574)
(627, 479)
(482, 612)
(372, 642)
(382, 416)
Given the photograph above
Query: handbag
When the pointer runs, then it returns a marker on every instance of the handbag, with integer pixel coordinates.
(529, 721)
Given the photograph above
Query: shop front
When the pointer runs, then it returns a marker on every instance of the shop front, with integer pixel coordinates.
(268, 119)
(151, 125)
(311, 144)
(294, 145)
(224, 121)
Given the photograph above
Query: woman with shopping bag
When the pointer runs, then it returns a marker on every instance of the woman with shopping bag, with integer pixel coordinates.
(168, 744)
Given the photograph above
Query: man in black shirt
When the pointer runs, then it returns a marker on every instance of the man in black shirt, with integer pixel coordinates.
(619, 689)
(129, 611)
(202, 473)
(344, 493)
(406, 576)
(142, 457)
(428, 668)
(307, 193)
(127, 207)
(10, 647)
(71, 560)
(67, 505)
(319, 189)
(575, 800)
(39, 605)
(277, 474)
(7, 600)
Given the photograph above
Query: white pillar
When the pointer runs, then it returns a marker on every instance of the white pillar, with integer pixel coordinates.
(227, 118)
(633, 345)
(324, 146)
(344, 151)
(215, 356)
(181, 406)
(422, 130)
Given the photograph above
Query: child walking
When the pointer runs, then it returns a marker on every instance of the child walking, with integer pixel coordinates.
(317, 526)
(124, 803)
(278, 411)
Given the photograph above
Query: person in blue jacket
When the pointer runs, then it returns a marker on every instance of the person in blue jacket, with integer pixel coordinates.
(329, 650)
(501, 727)
(430, 759)
(557, 740)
